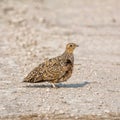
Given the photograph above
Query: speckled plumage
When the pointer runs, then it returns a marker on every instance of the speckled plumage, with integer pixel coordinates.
(54, 70)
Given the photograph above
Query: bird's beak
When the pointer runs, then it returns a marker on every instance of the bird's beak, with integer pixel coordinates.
(77, 45)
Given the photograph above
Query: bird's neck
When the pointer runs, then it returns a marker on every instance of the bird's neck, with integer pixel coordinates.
(69, 51)
(68, 55)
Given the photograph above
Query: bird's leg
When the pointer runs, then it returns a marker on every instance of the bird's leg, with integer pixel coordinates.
(53, 85)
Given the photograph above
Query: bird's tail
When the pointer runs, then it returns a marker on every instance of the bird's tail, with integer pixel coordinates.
(28, 80)
(33, 79)
(31, 76)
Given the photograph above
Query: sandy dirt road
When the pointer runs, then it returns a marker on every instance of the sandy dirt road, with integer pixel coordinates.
(32, 30)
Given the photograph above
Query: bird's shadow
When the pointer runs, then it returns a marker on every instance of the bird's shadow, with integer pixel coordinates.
(77, 85)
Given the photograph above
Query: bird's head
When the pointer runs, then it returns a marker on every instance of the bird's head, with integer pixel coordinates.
(70, 47)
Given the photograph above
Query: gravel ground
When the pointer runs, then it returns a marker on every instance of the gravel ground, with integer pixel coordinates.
(32, 30)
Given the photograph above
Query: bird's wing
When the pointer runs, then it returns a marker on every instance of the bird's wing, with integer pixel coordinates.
(54, 69)
(35, 75)
(68, 73)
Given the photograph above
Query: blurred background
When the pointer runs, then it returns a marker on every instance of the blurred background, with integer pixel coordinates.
(32, 30)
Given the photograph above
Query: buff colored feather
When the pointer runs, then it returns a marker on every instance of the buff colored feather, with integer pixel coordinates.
(54, 70)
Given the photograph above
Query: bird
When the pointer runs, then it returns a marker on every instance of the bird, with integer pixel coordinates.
(54, 70)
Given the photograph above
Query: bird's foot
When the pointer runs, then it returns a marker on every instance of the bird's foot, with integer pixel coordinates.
(53, 85)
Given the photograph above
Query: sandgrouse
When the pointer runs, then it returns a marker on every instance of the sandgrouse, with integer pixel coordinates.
(54, 70)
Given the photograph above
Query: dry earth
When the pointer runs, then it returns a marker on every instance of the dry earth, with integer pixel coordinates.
(32, 30)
